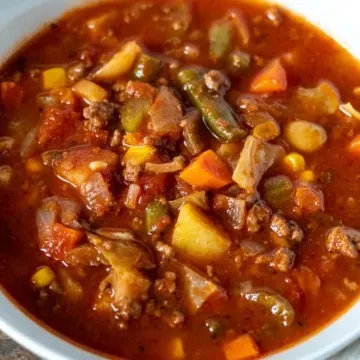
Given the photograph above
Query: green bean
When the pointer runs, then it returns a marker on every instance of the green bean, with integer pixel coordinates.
(146, 68)
(220, 38)
(216, 112)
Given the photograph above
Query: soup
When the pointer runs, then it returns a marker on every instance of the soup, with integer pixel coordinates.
(179, 179)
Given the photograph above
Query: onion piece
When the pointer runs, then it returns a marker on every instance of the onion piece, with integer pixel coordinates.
(115, 233)
(132, 196)
(350, 111)
(177, 164)
(29, 143)
(6, 143)
(234, 209)
(166, 113)
(197, 198)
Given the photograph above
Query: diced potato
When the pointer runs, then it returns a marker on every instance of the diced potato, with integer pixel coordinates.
(197, 289)
(177, 348)
(120, 63)
(305, 136)
(197, 238)
(90, 91)
(139, 155)
(54, 78)
(43, 277)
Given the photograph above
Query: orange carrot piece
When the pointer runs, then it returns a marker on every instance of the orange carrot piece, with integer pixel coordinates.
(271, 78)
(243, 347)
(241, 26)
(207, 171)
(354, 146)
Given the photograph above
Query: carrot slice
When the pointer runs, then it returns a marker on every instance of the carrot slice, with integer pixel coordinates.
(354, 146)
(243, 347)
(271, 78)
(207, 172)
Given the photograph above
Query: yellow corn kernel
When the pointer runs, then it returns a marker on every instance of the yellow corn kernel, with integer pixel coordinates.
(34, 165)
(139, 155)
(294, 162)
(89, 91)
(54, 78)
(177, 348)
(43, 277)
(308, 176)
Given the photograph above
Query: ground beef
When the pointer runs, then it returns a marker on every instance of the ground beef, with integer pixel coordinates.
(283, 228)
(76, 72)
(98, 114)
(166, 285)
(258, 216)
(216, 81)
(165, 251)
(281, 259)
(342, 240)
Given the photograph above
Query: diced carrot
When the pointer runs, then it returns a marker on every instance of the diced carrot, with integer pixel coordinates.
(240, 25)
(270, 79)
(12, 94)
(208, 171)
(64, 239)
(243, 347)
(354, 146)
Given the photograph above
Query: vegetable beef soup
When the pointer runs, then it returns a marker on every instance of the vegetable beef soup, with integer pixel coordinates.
(181, 180)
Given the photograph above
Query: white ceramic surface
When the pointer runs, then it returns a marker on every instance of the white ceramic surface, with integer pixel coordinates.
(19, 19)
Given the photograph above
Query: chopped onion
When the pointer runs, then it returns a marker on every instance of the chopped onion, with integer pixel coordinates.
(6, 173)
(132, 196)
(350, 111)
(29, 144)
(115, 233)
(177, 164)
(6, 143)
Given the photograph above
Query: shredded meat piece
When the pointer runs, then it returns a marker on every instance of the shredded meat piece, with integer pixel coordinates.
(289, 230)
(131, 172)
(258, 216)
(281, 259)
(216, 81)
(98, 114)
(344, 241)
(165, 286)
(76, 72)
(166, 251)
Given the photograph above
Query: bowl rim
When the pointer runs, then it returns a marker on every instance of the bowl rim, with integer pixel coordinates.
(34, 334)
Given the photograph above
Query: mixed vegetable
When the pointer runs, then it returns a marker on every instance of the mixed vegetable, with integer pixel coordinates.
(184, 189)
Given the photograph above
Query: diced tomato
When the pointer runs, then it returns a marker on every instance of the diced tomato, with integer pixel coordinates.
(309, 199)
(63, 240)
(152, 186)
(58, 124)
(12, 94)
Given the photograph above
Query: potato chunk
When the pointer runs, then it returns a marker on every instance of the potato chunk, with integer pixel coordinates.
(197, 238)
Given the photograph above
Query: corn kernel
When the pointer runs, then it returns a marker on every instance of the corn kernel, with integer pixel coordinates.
(34, 165)
(294, 162)
(54, 78)
(138, 155)
(90, 91)
(43, 277)
(307, 176)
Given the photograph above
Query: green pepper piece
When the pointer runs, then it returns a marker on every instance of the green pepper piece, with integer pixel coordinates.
(216, 112)
(278, 190)
(156, 216)
(146, 68)
(272, 301)
(133, 113)
(220, 38)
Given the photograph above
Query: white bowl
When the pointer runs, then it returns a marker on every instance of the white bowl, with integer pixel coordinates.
(19, 20)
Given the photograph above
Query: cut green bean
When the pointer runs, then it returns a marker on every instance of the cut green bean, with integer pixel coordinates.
(146, 68)
(217, 113)
(220, 39)
(156, 216)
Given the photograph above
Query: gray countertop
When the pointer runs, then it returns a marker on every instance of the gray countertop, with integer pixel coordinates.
(9, 350)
